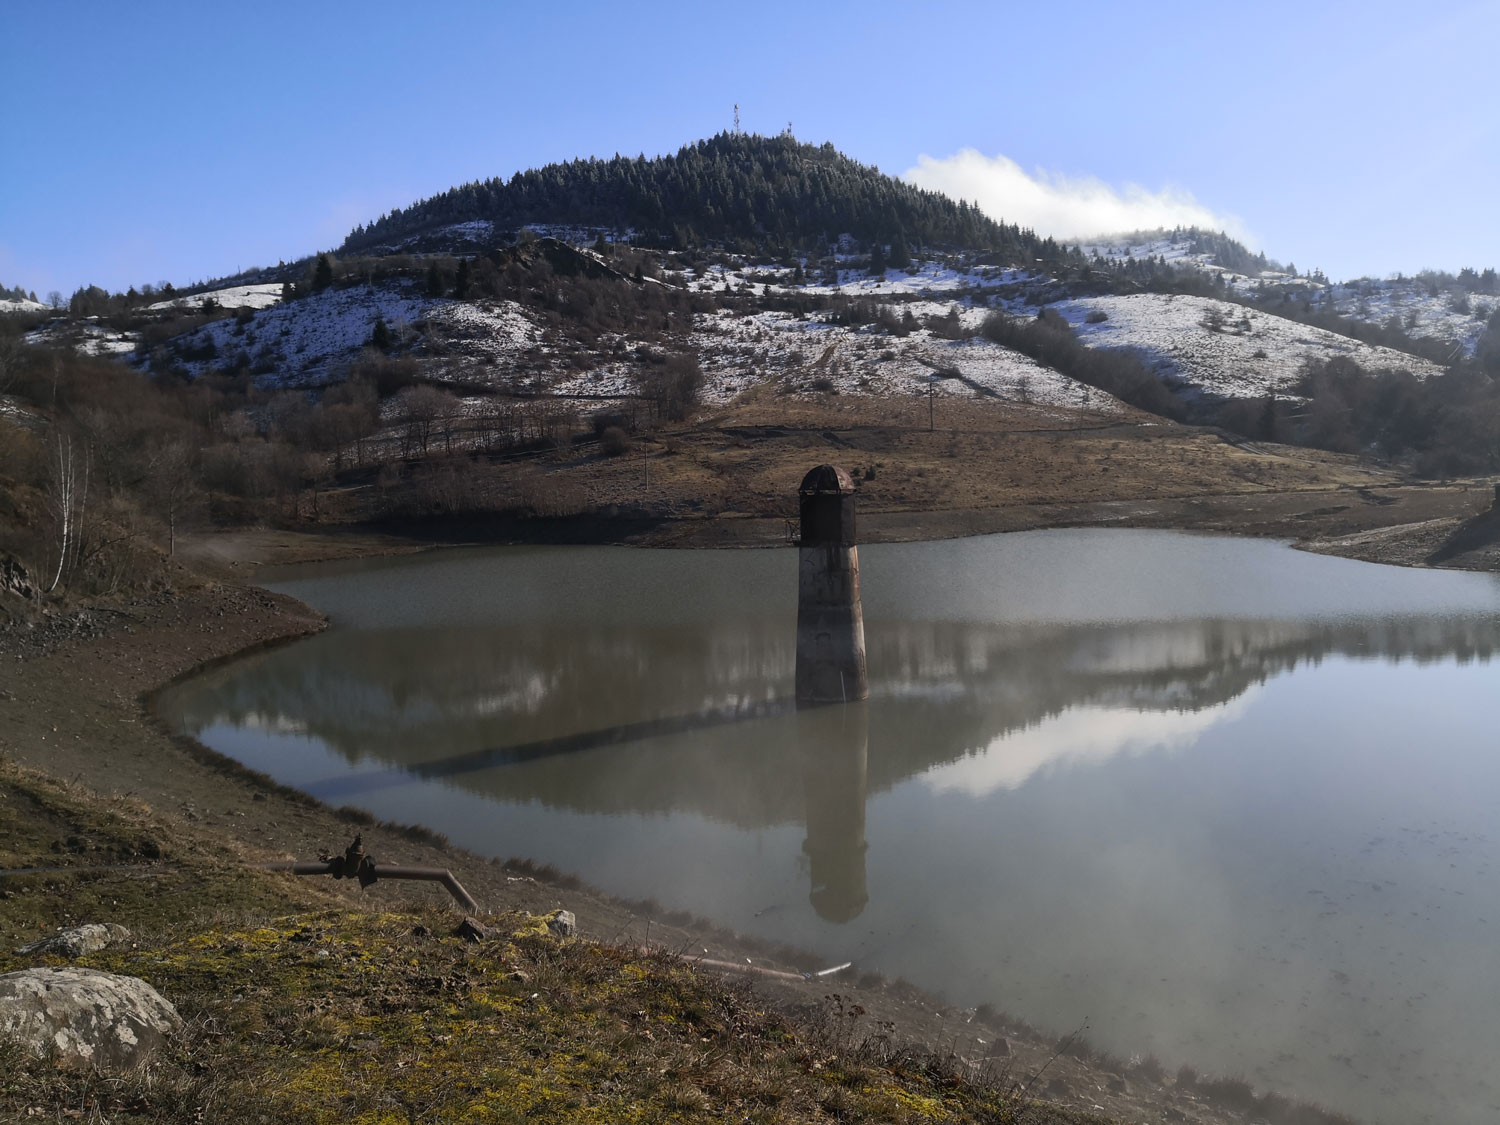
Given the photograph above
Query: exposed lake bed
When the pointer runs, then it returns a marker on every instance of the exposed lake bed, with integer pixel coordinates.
(1202, 794)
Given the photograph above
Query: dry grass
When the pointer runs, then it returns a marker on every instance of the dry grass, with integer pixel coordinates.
(113, 859)
(746, 459)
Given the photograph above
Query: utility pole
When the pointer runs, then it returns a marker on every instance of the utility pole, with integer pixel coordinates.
(931, 399)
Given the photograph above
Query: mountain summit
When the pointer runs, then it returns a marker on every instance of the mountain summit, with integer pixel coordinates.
(740, 190)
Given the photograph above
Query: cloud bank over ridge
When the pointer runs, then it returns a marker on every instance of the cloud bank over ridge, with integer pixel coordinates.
(1065, 207)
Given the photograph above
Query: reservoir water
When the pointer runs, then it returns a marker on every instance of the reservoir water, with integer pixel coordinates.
(1219, 800)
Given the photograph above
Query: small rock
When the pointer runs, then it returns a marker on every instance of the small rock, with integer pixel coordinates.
(420, 930)
(521, 976)
(1116, 1084)
(1058, 1087)
(77, 941)
(84, 1017)
(562, 923)
(470, 930)
(999, 1049)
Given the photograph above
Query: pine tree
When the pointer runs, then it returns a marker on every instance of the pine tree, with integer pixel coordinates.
(461, 282)
(1268, 419)
(322, 273)
(381, 336)
(900, 255)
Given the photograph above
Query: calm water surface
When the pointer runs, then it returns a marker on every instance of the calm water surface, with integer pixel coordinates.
(1220, 800)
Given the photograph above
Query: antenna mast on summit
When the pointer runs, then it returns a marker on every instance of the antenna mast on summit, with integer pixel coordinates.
(736, 117)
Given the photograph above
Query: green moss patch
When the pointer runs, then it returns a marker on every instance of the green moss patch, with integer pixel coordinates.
(341, 1018)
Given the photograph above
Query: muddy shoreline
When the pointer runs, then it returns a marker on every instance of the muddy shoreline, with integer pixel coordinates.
(1400, 525)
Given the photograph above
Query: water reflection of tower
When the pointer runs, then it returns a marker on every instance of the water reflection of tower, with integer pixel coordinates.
(832, 742)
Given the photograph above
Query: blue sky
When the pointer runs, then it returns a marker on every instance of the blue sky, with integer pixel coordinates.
(145, 142)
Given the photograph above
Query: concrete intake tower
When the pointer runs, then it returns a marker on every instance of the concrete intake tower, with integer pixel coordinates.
(830, 625)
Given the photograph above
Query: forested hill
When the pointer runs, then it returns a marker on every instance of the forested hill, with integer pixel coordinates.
(746, 192)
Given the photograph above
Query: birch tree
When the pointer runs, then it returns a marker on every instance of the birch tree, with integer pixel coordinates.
(67, 499)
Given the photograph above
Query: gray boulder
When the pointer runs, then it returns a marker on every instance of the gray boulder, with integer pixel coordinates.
(77, 941)
(563, 923)
(85, 1017)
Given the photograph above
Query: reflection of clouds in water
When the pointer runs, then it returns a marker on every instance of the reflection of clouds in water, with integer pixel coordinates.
(1078, 736)
(528, 695)
(271, 724)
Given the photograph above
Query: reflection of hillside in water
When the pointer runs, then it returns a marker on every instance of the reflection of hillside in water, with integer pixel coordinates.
(433, 702)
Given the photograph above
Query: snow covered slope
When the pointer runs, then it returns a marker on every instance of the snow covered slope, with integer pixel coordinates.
(813, 357)
(12, 305)
(306, 341)
(1420, 307)
(234, 297)
(87, 336)
(757, 340)
(1426, 306)
(1219, 348)
(1202, 345)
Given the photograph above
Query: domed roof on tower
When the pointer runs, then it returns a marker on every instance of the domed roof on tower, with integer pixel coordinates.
(826, 479)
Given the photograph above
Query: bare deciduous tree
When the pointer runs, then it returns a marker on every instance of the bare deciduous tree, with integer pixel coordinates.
(172, 484)
(420, 408)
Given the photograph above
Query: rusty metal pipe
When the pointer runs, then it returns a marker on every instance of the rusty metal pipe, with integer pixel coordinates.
(369, 872)
(431, 874)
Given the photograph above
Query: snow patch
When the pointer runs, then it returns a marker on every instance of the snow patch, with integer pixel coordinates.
(25, 305)
(88, 337)
(261, 296)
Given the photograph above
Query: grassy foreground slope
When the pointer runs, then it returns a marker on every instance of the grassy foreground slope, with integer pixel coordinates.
(299, 1009)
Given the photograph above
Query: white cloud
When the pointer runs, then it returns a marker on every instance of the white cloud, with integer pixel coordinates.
(1062, 206)
(1079, 736)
